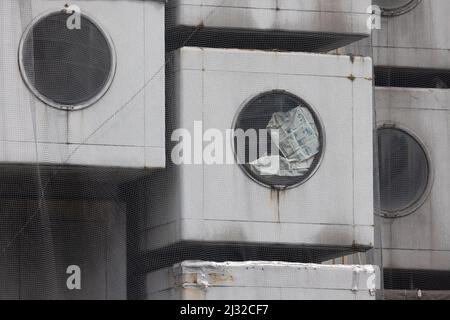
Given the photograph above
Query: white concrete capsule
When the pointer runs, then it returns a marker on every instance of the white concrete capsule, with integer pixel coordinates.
(261, 280)
(83, 84)
(415, 36)
(63, 249)
(415, 234)
(331, 205)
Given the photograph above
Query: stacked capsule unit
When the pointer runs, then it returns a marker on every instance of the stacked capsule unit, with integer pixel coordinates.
(249, 66)
(82, 110)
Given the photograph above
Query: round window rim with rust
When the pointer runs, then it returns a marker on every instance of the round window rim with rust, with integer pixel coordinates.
(320, 127)
(413, 207)
(42, 97)
(400, 10)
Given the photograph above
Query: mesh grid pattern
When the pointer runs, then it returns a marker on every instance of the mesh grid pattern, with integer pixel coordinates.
(52, 217)
(404, 170)
(68, 67)
(256, 114)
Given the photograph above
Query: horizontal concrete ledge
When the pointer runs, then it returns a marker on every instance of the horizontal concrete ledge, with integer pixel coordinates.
(343, 6)
(411, 57)
(417, 259)
(213, 37)
(272, 63)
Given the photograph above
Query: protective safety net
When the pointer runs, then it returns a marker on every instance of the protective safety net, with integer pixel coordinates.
(136, 135)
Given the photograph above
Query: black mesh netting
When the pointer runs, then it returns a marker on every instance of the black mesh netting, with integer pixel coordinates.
(88, 210)
(65, 66)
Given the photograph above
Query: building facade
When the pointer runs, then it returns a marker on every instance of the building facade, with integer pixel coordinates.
(138, 137)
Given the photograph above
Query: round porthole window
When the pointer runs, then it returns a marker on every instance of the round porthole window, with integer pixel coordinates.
(396, 7)
(404, 172)
(278, 140)
(66, 68)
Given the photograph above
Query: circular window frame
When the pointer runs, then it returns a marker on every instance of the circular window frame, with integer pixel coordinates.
(50, 102)
(413, 207)
(400, 10)
(319, 125)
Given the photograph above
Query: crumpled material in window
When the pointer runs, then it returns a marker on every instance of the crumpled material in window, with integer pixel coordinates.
(276, 165)
(297, 138)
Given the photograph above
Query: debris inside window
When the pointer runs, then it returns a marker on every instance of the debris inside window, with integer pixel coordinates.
(297, 139)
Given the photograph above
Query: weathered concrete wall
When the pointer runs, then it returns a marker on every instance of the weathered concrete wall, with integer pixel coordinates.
(219, 203)
(39, 240)
(333, 23)
(125, 128)
(196, 280)
(336, 16)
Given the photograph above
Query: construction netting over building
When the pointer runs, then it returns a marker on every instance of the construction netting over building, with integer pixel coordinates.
(147, 147)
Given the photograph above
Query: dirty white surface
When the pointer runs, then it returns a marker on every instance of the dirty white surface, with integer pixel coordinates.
(297, 139)
(346, 17)
(418, 38)
(220, 203)
(421, 239)
(116, 131)
(263, 280)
